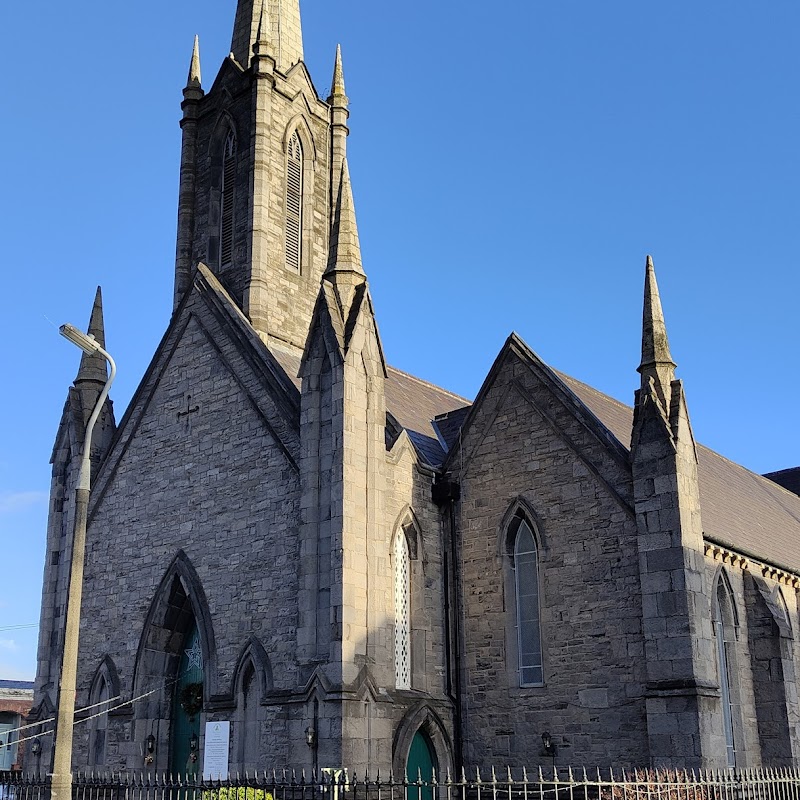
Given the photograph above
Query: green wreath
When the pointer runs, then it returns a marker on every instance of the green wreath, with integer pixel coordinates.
(191, 698)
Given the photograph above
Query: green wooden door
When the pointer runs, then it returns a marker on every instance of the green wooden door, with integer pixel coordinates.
(187, 705)
(420, 766)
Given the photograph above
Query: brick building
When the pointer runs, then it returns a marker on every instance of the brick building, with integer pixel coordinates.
(354, 567)
(16, 700)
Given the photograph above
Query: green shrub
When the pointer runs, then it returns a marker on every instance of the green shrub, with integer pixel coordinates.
(237, 793)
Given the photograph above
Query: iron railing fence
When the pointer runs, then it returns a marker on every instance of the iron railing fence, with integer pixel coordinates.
(510, 784)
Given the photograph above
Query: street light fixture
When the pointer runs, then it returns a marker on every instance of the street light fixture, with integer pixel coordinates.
(62, 759)
(85, 341)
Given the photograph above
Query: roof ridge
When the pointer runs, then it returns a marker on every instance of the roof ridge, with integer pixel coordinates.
(780, 471)
(430, 385)
(761, 478)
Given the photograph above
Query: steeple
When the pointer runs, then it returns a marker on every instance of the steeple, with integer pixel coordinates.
(338, 94)
(93, 366)
(286, 33)
(195, 79)
(657, 361)
(345, 249)
(340, 113)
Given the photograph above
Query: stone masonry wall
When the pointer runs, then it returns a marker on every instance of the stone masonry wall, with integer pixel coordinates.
(213, 483)
(592, 699)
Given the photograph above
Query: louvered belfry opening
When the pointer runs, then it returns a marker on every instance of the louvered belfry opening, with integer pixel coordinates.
(294, 203)
(226, 214)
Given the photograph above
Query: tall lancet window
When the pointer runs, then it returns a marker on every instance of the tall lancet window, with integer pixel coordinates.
(294, 203)
(724, 630)
(402, 613)
(526, 583)
(99, 725)
(226, 212)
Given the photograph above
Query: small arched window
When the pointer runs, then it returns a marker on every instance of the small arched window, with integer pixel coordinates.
(294, 203)
(526, 586)
(97, 737)
(724, 631)
(402, 613)
(226, 211)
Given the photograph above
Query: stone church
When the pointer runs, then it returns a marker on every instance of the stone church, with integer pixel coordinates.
(357, 568)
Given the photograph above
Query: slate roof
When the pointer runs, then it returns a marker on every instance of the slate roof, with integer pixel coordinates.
(411, 401)
(415, 403)
(740, 509)
(788, 478)
(449, 425)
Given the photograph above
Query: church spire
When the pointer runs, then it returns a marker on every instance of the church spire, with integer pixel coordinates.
(195, 78)
(657, 361)
(338, 94)
(93, 365)
(345, 249)
(340, 113)
(285, 35)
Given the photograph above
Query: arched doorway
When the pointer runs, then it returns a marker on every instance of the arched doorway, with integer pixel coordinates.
(420, 766)
(187, 704)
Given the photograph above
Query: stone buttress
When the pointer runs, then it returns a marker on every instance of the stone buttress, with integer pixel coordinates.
(343, 520)
(682, 691)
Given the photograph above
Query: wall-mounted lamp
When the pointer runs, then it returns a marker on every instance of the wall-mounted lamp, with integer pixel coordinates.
(36, 747)
(548, 746)
(311, 737)
(149, 749)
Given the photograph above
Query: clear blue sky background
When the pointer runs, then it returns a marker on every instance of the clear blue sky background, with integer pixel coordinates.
(513, 162)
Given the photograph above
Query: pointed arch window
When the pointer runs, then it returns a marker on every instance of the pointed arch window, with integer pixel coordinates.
(226, 211)
(526, 589)
(294, 203)
(250, 701)
(724, 632)
(97, 738)
(402, 613)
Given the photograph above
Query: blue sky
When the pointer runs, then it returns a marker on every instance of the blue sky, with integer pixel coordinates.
(512, 163)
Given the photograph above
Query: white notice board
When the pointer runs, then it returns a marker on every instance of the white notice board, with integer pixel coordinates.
(215, 753)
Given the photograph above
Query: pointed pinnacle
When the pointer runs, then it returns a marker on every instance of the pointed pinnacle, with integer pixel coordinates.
(93, 367)
(337, 82)
(345, 251)
(655, 345)
(264, 34)
(195, 77)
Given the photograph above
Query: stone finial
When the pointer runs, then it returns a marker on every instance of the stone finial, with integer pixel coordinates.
(338, 94)
(657, 361)
(345, 250)
(93, 366)
(195, 77)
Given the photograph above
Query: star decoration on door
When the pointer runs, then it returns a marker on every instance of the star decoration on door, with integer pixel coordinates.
(195, 656)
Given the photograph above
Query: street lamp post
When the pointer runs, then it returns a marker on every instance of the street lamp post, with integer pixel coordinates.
(62, 760)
